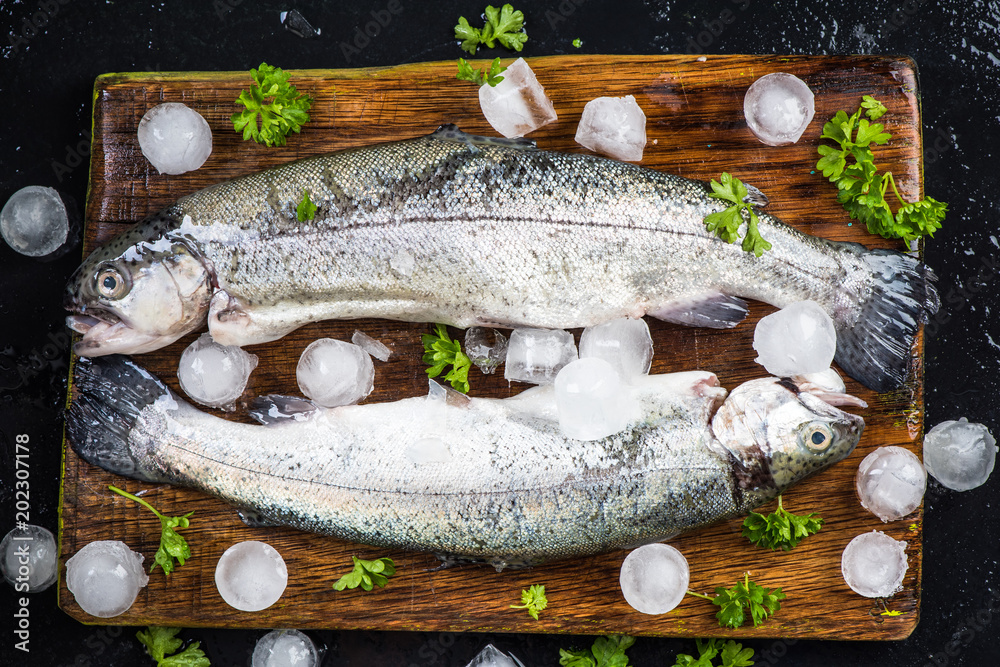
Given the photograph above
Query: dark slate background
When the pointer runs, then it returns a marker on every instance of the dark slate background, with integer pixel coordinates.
(51, 51)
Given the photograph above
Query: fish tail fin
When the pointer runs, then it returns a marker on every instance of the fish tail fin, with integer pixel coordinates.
(876, 349)
(111, 391)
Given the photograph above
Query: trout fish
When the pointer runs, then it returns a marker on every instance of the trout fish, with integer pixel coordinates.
(489, 480)
(466, 230)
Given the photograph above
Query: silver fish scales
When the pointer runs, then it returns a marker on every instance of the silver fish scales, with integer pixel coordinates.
(499, 233)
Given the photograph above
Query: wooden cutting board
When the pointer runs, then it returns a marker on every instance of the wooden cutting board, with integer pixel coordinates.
(695, 127)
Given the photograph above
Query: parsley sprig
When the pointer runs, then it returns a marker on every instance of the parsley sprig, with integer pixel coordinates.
(306, 210)
(367, 574)
(440, 351)
(726, 224)
(533, 600)
(605, 652)
(731, 653)
(467, 72)
(277, 104)
(780, 529)
(504, 25)
(759, 601)
(161, 641)
(172, 544)
(861, 188)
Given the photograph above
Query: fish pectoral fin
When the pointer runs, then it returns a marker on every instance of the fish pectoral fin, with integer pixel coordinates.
(278, 409)
(710, 309)
(255, 519)
(228, 321)
(450, 132)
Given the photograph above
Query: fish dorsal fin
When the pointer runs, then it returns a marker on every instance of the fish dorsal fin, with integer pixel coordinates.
(277, 409)
(710, 309)
(450, 132)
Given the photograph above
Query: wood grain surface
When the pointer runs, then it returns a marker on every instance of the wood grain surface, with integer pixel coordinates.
(695, 128)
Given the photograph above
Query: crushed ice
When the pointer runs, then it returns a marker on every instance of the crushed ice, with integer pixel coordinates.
(518, 104)
(613, 126)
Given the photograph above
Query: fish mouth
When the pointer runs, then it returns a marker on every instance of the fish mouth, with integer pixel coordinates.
(106, 333)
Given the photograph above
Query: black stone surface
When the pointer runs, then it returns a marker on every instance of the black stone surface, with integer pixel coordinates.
(51, 51)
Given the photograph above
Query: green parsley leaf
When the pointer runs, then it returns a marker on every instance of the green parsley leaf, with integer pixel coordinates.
(160, 641)
(467, 73)
(533, 600)
(732, 654)
(470, 37)
(760, 601)
(780, 529)
(577, 42)
(274, 107)
(605, 652)
(873, 108)
(306, 210)
(440, 351)
(173, 546)
(861, 188)
(726, 224)
(504, 25)
(367, 574)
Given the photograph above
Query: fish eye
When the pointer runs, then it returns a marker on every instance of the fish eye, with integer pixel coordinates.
(111, 284)
(816, 436)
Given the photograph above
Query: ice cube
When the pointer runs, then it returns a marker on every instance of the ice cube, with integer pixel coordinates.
(487, 348)
(35, 222)
(518, 104)
(428, 450)
(297, 24)
(614, 126)
(251, 576)
(959, 454)
(105, 577)
(402, 263)
(175, 138)
(624, 343)
(373, 347)
(285, 648)
(873, 564)
(536, 355)
(215, 375)
(890, 482)
(28, 557)
(778, 108)
(654, 578)
(799, 338)
(491, 656)
(333, 372)
(590, 400)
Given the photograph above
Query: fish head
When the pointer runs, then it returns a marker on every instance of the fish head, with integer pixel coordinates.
(780, 430)
(134, 295)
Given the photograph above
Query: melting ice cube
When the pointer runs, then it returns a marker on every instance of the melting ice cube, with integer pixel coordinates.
(959, 454)
(486, 348)
(175, 138)
(333, 372)
(798, 339)
(536, 355)
(491, 656)
(654, 578)
(590, 400)
(285, 648)
(614, 126)
(251, 576)
(28, 557)
(373, 347)
(213, 374)
(36, 222)
(890, 482)
(105, 577)
(778, 108)
(873, 564)
(402, 262)
(518, 104)
(624, 343)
